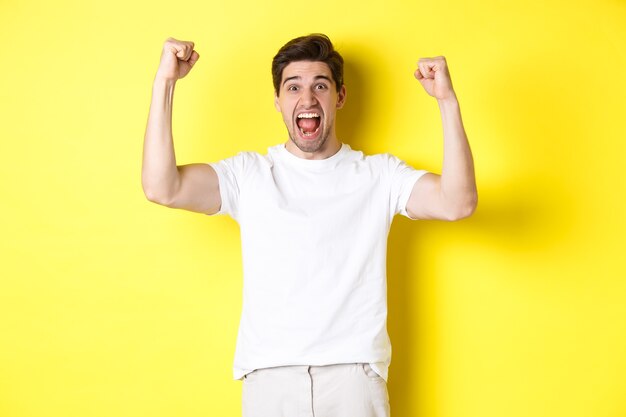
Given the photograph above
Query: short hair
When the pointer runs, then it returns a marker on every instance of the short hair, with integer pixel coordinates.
(313, 47)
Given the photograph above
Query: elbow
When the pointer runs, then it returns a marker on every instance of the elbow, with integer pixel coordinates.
(462, 211)
(156, 191)
(155, 196)
(152, 196)
(159, 188)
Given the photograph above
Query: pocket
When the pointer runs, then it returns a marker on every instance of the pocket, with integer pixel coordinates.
(249, 397)
(377, 387)
(370, 372)
(250, 376)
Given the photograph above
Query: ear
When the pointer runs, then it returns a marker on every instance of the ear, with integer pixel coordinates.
(341, 97)
(276, 103)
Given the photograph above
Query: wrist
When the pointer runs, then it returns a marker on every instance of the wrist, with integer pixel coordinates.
(448, 102)
(160, 81)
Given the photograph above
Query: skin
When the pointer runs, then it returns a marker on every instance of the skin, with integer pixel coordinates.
(195, 187)
(452, 195)
(309, 86)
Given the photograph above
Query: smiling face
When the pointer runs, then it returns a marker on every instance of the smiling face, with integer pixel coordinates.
(308, 100)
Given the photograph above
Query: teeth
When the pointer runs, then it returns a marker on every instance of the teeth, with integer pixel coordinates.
(309, 134)
(307, 115)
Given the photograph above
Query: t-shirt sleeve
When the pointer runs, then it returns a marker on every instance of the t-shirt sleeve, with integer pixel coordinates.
(402, 179)
(230, 174)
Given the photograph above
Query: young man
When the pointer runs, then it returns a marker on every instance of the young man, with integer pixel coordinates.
(314, 217)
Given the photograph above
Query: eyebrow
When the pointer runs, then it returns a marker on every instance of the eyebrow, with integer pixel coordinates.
(317, 77)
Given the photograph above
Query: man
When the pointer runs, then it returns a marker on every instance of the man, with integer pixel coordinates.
(314, 217)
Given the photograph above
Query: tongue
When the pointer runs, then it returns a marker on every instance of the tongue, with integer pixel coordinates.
(308, 125)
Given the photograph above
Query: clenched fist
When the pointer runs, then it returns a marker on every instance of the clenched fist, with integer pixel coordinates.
(177, 59)
(434, 76)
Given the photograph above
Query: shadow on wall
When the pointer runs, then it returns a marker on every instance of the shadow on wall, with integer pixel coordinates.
(350, 119)
(515, 214)
(355, 119)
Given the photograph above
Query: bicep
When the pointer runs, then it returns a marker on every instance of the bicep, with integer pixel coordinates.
(425, 201)
(198, 189)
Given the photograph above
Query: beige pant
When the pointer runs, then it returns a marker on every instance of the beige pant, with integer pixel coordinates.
(342, 390)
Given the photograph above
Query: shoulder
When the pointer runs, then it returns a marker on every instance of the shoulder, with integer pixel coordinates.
(386, 161)
(241, 165)
(246, 158)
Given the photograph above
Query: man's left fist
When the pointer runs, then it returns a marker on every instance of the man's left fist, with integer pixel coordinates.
(434, 76)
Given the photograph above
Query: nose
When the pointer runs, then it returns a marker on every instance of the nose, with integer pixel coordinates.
(308, 98)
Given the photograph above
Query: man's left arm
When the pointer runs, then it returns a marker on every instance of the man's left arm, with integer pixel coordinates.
(451, 195)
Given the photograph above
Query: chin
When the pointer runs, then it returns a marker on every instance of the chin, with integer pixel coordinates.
(309, 147)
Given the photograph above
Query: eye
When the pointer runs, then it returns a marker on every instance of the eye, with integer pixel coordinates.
(321, 87)
(292, 88)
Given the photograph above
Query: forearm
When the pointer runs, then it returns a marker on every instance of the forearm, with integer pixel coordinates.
(159, 174)
(458, 183)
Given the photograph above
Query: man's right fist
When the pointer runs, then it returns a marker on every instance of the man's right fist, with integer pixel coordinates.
(177, 59)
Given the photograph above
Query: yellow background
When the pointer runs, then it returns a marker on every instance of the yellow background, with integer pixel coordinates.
(113, 306)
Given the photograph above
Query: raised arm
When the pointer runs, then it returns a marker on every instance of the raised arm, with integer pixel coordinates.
(192, 187)
(451, 195)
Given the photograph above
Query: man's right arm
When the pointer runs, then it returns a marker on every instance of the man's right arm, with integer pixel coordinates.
(192, 187)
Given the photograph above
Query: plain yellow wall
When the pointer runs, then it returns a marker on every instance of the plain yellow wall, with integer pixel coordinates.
(113, 306)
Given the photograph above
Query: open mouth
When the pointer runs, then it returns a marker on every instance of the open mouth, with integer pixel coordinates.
(308, 124)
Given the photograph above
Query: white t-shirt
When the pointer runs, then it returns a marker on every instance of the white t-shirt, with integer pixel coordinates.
(314, 244)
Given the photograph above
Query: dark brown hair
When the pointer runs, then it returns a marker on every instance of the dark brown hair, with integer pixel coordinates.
(313, 47)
